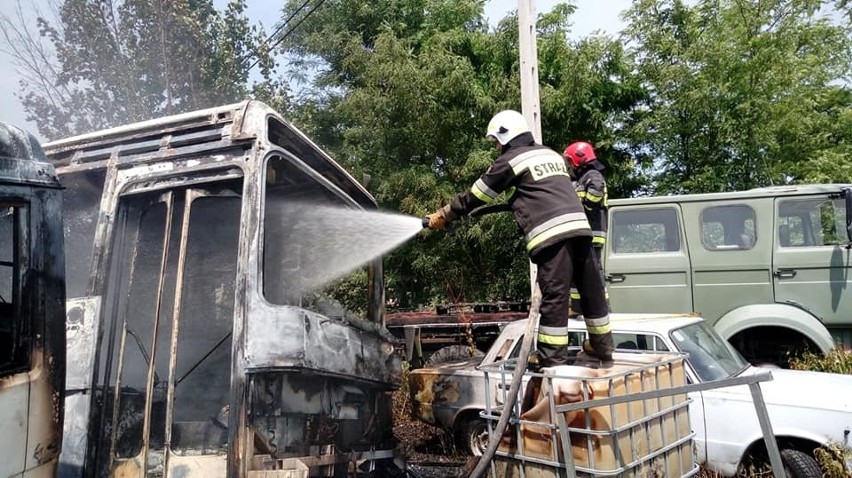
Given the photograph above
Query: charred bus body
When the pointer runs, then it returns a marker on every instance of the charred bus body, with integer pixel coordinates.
(32, 308)
(194, 350)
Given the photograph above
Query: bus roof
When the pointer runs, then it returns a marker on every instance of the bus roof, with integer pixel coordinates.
(208, 130)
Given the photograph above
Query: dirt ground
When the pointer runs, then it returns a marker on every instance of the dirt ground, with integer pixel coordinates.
(430, 450)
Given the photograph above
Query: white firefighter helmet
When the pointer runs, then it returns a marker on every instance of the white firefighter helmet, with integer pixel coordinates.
(506, 125)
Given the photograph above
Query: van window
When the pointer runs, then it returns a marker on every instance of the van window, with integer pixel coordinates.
(725, 228)
(811, 222)
(14, 346)
(645, 231)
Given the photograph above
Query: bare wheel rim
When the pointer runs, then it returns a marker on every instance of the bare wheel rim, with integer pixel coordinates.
(478, 438)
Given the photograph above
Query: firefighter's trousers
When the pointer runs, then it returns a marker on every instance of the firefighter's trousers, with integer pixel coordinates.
(557, 265)
(576, 300)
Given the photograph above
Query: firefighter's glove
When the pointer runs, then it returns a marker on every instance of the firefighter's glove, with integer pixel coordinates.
(439, 219)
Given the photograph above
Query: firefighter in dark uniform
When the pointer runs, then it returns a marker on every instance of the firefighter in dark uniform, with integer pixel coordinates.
(589, 182)
(557, 233)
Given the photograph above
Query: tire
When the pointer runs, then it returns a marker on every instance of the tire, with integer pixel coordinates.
(799, 464)
(452, 353)
(472, 436)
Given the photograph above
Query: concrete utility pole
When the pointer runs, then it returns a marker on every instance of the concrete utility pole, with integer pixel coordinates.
(529, 66)
(529, 86)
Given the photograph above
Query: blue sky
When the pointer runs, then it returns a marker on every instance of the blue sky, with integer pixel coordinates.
(591, 15)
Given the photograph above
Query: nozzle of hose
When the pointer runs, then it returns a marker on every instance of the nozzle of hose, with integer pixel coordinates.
(449, 228)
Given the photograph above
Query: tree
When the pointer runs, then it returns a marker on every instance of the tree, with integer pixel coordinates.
(743, 94)
(403, 91)
(111, 62)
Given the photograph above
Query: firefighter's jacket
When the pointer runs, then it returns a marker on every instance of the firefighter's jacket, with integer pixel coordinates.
(544, 203)
(591, 189)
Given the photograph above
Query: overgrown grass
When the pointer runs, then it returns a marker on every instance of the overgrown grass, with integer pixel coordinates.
(832, 458)
(836, 361)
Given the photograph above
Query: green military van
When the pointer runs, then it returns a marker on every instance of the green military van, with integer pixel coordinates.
(768, 267)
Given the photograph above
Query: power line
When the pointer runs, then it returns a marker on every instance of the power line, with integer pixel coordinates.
(285, 22)
(284, 37)
(291, 30)
(279, 28)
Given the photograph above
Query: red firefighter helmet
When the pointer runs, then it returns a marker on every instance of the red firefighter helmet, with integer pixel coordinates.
(579, 153)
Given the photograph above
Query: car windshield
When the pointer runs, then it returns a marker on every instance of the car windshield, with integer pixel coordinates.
(711, 356)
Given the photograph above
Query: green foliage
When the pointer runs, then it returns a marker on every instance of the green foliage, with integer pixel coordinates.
(403, 92)
(130, 60)
(348, 295)
(743, 94)
(836, 361)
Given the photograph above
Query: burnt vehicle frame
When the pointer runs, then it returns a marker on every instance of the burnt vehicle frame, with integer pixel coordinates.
(185, 219)
(32, 308)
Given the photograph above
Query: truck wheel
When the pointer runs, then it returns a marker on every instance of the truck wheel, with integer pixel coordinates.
(472, 436)
(451, 353)
(798, 464)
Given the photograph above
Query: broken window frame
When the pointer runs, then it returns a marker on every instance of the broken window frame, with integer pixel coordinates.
(183, 194)
(19, 354)
(374, 294)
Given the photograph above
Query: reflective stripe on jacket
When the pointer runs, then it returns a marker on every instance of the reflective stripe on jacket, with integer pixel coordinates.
(544, 202)
(591, 189)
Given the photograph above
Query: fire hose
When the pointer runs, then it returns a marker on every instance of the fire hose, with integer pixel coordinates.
(520, 368)
(514, 388)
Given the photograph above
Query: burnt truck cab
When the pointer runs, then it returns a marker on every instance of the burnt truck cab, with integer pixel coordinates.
(32, 308)
(194, 349)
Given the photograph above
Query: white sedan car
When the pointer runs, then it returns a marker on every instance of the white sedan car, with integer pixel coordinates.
(807, 409)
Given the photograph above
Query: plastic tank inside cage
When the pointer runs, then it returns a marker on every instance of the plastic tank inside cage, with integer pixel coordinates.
(579, 420)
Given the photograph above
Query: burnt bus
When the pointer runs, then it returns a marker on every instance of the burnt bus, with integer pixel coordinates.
(193, 348)
(32, 308)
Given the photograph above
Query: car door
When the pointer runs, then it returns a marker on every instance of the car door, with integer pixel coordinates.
(811, 263)
(647, 260)
(698, 421)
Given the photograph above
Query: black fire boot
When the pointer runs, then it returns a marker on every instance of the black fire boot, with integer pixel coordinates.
(548, 356)
(600, 346)
(534, 361)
